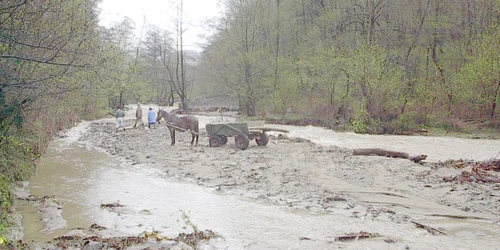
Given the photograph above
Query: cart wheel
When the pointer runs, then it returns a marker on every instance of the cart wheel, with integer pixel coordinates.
(215, 141)
(262, 140)
(224, 139)
(241, 141)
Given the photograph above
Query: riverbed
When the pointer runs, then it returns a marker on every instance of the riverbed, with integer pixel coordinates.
(301, 191)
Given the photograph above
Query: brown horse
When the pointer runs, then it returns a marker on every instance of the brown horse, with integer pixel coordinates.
(185, 122)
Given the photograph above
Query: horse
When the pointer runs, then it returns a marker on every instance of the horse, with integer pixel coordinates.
(185, 122)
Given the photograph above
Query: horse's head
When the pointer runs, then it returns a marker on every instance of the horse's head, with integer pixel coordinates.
(161, 114)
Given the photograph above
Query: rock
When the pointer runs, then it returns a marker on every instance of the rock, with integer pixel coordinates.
(181, 246)
(61, 134)
(93, 245)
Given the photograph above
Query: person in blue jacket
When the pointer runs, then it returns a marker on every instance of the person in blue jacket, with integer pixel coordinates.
(151, 118)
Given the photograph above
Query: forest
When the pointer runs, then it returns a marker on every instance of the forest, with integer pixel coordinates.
(368, 66)
(378, 66)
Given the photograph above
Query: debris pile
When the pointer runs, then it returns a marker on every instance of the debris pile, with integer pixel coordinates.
(192, 239)
(148, 240)
(483, 171)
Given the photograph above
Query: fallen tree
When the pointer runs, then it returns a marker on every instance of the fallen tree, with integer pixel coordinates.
(388, 153)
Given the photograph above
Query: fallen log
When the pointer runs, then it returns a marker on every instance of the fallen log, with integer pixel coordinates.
(388, 153)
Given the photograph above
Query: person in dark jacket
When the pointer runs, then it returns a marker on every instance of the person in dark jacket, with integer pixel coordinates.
(119, 118)
(138, 116)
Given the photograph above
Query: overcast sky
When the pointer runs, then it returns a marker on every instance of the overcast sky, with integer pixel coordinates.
(161, 13)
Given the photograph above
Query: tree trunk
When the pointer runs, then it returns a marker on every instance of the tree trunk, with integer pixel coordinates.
(251, 106)
(494, 100)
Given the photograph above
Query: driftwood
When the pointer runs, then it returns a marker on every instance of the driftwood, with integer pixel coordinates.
(429, 229)
(110, 205)
(356, 236)
(388, 153)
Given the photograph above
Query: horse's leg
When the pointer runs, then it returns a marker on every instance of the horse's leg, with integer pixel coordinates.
(197, 135)
(192, 138)
(172, 135)
(197, 130)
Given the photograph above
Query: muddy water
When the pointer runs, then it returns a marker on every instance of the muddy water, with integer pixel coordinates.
(82, 177)
(436, 148)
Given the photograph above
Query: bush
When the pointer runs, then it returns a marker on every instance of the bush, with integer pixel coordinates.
(5, 202)
(405, 124)
(493, 124)
(16, 163)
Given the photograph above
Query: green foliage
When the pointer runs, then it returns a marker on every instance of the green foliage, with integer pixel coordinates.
(405, 124)
(16, 163)
(361, 122)
(286, 88)
(359, 126)
(10, 115)
(54, 62)
(478, 80)
(5, 202)
(375, 59)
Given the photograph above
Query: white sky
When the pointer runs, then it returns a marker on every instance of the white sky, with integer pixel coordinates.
(161, 13)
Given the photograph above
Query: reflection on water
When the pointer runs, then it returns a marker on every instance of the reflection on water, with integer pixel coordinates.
(83, 178)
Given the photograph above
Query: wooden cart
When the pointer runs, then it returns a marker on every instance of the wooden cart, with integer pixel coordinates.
(219, 132)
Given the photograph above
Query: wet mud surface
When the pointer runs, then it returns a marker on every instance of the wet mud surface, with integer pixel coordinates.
(295, 172)
(417, 199)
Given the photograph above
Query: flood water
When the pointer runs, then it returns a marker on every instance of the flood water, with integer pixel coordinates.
(82, 177)
(436, 148)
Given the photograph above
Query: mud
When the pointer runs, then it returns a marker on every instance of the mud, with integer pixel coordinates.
(298, 174)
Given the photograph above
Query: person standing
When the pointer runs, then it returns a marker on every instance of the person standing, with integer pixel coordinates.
(138, 116)
(151, 118)
(119, 118)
